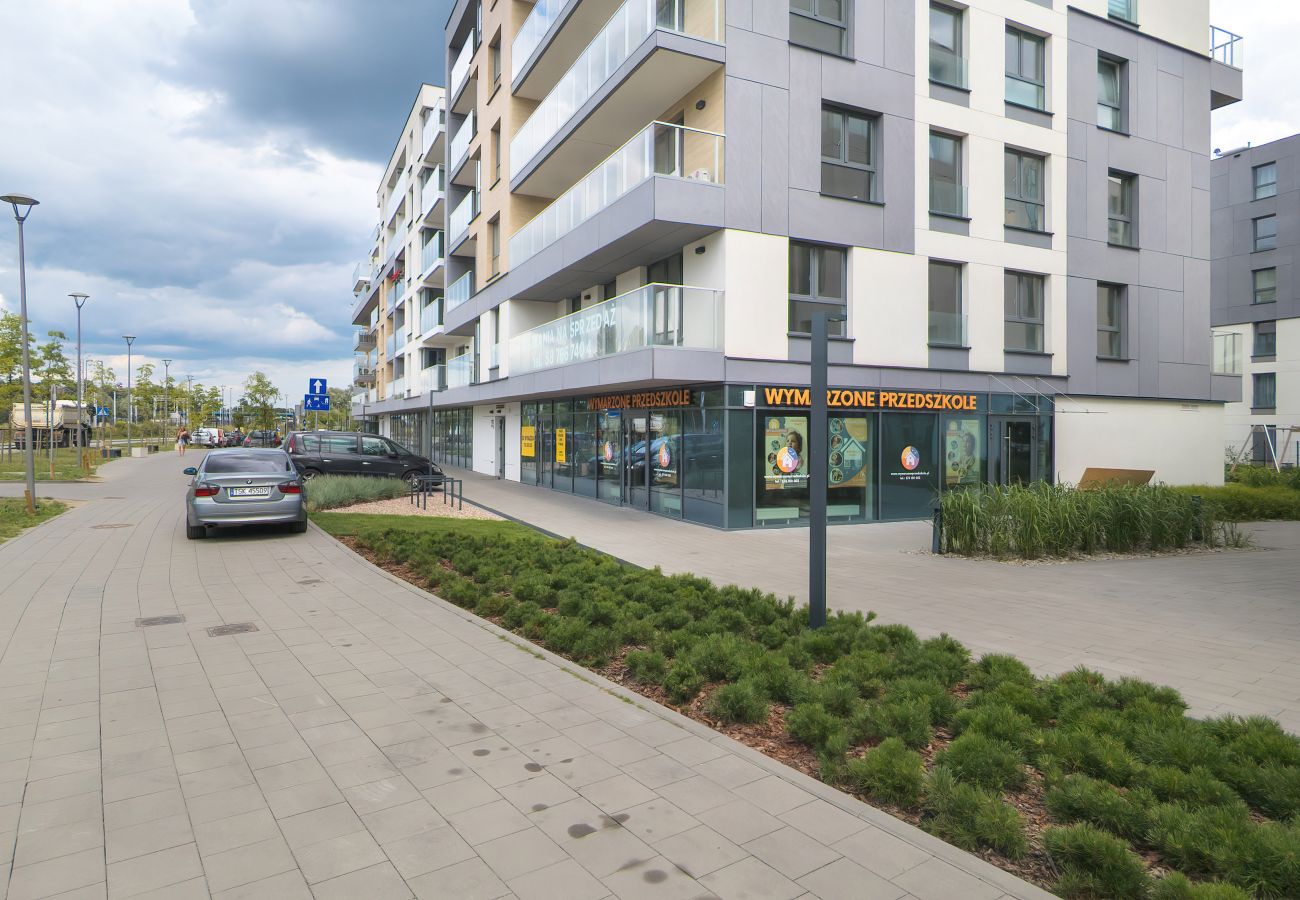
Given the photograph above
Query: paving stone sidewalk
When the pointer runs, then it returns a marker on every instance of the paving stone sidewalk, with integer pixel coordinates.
(367, 740)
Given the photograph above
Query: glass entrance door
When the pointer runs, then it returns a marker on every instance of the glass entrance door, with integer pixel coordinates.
(636, 444)
(609, 457)
(1013, 457)
(545, 450)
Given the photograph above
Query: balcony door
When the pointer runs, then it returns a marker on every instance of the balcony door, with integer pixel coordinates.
(668, 148)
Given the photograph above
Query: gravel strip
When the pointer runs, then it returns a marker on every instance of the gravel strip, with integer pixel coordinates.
(402, 506)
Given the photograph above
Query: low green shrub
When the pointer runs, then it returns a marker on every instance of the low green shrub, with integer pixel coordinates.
(1176, 886)
(646, 666)
(994, 669)
(905, 718)
(999, 721)
(1262, 476)
(335, 491)
(814, 725)
(1224, 843)
(1078, 798)
(683, 683)
(970, 818)
(983, 761)
(740, 701)
(1244, 503)
(890, 772)
(1094, 864)
(1195, 787)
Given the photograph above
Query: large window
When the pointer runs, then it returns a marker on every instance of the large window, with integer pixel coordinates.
(1265, 339)
(818, 281)
(1025, 192)
(1264, 391)
(1023, 299)
(821, 24)
(1121, 209)
(1264, 285)
(1265, 179)
(1026, 69)
(947, 64)
(947, 318)
(1110, 93)
(947, 195)
(1112, 319)
(848, 154)
(1265, 233)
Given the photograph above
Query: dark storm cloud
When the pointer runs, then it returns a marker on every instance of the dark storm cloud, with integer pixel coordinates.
(343, 73)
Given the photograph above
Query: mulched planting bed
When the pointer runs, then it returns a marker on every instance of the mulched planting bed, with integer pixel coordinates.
(1087, 787)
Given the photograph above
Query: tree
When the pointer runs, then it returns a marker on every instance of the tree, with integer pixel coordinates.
(11, 362)
(51, 366)
(259, 396)
(208, 401)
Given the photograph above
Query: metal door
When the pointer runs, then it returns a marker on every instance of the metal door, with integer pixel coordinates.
(1013, 451)
(501, 446)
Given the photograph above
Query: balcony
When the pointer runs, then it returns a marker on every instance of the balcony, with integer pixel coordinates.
(396, 199)
(362, 273)
(434, 128)
(657, 315)
(461, 141)
(363, 375)
(433, 190)
(624, 48)
(365, 340)
(431, 256)
(434, 378)
(390, 346)
(397, 292)
(1227, 353)
(397, 388)
(460, 68)
(431, 317)
(459, 291)
(1227, 55)
(461, 371)
(672, 151)
(461, 216)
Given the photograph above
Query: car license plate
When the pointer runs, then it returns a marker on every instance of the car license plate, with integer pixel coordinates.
(248, 491)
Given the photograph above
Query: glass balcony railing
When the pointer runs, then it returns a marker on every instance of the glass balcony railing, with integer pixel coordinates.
(947, 67)
(431, 253)
(362, 273)
(494, 356)
(460, 290)
(948, 328)
(362, 375)
(460, 371)
(431, 316)
(1227, 354)
(948, 199)
(460, 68)
(395, 198)
(365, 340)
(460, 143)
(462, 215)
(397, 387)
(671, 151)
(627, 28)
(434, 378)
(433, 123)
(1226, 47)
(657, 315)
(431, 190)
(390, 346)
(530, 34)
(397, 293)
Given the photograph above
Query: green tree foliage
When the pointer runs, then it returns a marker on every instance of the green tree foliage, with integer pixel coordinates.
(260, 396)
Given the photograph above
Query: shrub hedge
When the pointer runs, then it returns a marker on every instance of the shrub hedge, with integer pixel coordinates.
(1249, 503)
(1128, 776)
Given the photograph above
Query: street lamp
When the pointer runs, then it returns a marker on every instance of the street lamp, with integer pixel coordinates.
(130, 339)
(817, 465)
(79, 299)
(166, 394)
(22, 209)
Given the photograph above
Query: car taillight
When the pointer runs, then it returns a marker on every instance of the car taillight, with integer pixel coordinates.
(291, 487)
(206, 490)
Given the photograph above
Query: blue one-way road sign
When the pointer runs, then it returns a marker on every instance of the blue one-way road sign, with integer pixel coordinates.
(316, 386)
(316, 402)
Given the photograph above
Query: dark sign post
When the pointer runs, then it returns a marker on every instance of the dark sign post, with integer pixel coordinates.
(818, 460)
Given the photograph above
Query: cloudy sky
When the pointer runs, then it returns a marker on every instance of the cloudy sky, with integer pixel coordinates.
(207, 168)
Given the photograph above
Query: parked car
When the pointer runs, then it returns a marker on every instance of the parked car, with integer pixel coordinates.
(206, 437)
(344, 453)
(234, 439)
(262, 438)
(244, 487)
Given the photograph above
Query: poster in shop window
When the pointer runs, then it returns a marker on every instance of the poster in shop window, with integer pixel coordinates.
(847, 452)
(561, 446)
(527, 441)
(961, 452)
(783, 456)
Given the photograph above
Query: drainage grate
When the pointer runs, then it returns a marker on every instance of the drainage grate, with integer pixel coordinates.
(113, 525)
(159, 620)
(237, 628)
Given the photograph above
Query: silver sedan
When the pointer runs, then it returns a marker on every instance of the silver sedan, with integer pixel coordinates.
(244, 487)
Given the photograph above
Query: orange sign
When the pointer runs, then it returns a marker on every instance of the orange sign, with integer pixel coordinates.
(846, 398)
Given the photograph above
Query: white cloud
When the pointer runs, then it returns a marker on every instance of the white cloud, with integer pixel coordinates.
(1271, 106)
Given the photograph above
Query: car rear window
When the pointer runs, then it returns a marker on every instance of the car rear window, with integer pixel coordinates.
(238, 462)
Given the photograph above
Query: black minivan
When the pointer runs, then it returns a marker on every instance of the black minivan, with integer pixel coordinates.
(345, 453)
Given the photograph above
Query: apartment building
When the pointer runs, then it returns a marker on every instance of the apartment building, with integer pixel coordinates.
(1003, 206)
(1255, 192)
(398, 289)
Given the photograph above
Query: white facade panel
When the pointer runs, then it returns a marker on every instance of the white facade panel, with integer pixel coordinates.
(1179, 441)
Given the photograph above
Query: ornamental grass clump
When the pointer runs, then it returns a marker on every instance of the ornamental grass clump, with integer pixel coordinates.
(335, 491)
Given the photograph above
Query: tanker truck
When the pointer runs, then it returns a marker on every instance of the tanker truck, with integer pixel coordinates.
(64, 424)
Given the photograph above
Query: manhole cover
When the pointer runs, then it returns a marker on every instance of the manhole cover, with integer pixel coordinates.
(113, 525)
(159, 620)
(237, 628)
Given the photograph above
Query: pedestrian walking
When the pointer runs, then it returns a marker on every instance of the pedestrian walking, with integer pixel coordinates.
(182, 439)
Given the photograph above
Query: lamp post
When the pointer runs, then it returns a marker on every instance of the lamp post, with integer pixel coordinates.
(130, 339)
(167, 387)
(22, 209)
(818, 461)
(79, 299)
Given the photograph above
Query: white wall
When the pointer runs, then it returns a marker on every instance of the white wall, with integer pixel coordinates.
(888, 308)
(485, 438)
(1182, 442)
(1238, 418)
(757, 314)
(1182, 22)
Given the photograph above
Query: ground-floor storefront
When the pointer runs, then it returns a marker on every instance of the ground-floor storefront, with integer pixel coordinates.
(737, 456)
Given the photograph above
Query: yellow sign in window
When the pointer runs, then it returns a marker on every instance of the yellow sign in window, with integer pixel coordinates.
(527, 438)
(560, 447)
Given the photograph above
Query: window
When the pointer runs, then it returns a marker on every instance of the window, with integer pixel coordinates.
(1264, 286)
(1227, 353)
(1024, 191)
(374, 446)
(1110, 93)
(1023, 299)
(848, 154)
(947, 323)
(1121, 204)
(1264, 387)
(947, 196)
(1026, 79)
(821, 24)
(494, 239)
(817, 284)
(1124, 10)
(1112, 316)
(494, 62)
(947, 65)
(1265, 178)
(1265, 339)
(1265, 233)
(496, 152)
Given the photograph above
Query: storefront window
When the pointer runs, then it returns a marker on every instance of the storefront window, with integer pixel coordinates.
(665, 461)
(703, 446)
(782, 461)
(850, 473)
(582, 453)
(965, 458)
(609, 457)
(909, 465)
(562, 448)
(636, 441)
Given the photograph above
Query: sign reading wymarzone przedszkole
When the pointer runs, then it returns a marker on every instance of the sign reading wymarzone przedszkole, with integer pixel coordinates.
(872, 398)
